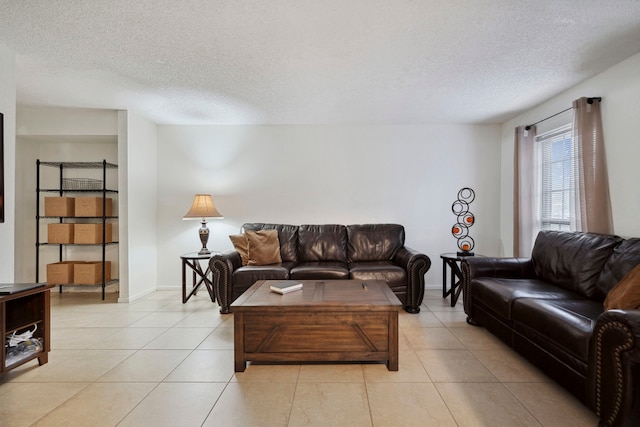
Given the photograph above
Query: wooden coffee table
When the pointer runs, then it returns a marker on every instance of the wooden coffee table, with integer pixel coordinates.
(326, 321)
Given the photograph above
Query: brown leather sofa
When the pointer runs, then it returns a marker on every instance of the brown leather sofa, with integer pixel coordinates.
(329, 252)
(549, 308)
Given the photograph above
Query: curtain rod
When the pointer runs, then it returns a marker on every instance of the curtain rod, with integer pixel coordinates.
(589, 101)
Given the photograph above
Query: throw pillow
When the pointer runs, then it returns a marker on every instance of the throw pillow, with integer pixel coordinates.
(264, 247)
(626, 294)
(240, 244)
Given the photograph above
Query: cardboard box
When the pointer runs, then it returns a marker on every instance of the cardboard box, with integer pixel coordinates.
(60, 233)
(91, 233)
(90, 273)
(60, 273)
(58, 206)
(92, 206)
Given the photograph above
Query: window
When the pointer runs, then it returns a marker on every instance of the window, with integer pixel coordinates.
(556, 172)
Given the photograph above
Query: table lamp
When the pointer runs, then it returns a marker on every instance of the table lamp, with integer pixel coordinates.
(203, 208)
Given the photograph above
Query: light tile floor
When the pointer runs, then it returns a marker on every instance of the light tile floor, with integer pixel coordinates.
(158, 362)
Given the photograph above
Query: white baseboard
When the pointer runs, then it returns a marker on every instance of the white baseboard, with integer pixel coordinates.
(137, 296)
(169, 288)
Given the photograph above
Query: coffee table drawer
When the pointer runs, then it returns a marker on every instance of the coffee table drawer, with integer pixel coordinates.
(316, 333)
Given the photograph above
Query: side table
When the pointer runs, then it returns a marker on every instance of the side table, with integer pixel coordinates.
(452, 260)
(200, 275)
(25, 306)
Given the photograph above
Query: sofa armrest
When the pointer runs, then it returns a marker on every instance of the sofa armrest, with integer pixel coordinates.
(614, 368)
(477, 266)
(222, 267)
(514, 268)
(416, 265)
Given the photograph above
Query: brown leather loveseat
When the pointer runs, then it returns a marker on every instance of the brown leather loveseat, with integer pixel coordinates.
(328, 252)
(549, 308)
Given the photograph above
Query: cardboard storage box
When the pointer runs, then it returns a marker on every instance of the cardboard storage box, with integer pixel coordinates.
(60, 233)
(91, 233)
(92, 206)
(90, 273)
(60, 273)
(58, 206)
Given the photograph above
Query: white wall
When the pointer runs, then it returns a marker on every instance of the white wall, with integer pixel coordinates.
(138, 200)
(67, 123)
(327, 174)
(8, 109)
(619, 88)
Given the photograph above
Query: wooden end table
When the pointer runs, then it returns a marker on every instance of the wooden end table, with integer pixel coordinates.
(452, 260)
(200, 276)
(325, 321)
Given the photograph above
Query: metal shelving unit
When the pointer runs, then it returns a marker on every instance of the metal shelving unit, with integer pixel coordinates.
(68, 185)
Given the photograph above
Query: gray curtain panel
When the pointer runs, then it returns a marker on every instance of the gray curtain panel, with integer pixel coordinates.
(525, 221)
(592, 181)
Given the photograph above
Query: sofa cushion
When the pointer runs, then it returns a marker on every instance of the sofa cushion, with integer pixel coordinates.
(331, 270)
(239, 242)
(379, 270)
(263, 247)
(499, 295)
(322, 243)
(374, 242)
(626, 294)
(624, 258)
(572, 261)
(558, 326)
(287, 236)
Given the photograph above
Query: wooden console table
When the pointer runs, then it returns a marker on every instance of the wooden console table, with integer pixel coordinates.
(23, 306)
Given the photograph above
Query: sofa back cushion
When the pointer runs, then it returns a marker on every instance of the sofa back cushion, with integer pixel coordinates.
(287, 235)
(572, 260)
(322, 243)
(623, 259)
(374, 242)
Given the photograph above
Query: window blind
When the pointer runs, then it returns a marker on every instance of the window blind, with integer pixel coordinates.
(557, 184)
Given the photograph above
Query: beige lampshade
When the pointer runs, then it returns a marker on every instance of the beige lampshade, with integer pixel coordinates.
(202, 207)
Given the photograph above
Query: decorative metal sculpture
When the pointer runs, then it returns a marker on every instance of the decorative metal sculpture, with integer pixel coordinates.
(465, 219)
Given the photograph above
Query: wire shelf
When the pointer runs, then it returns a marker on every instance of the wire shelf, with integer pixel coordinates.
(70, 184)
(80, 165)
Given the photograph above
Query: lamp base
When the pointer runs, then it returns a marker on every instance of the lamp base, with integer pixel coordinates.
(204, 238)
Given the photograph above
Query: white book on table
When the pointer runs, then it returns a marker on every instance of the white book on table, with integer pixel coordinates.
(285, 286)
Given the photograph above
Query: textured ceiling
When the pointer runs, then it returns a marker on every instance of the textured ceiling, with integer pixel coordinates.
(319, 61)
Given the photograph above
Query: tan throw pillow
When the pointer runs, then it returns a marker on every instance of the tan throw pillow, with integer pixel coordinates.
(264, 247)
(240, 244)
(626, 294)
